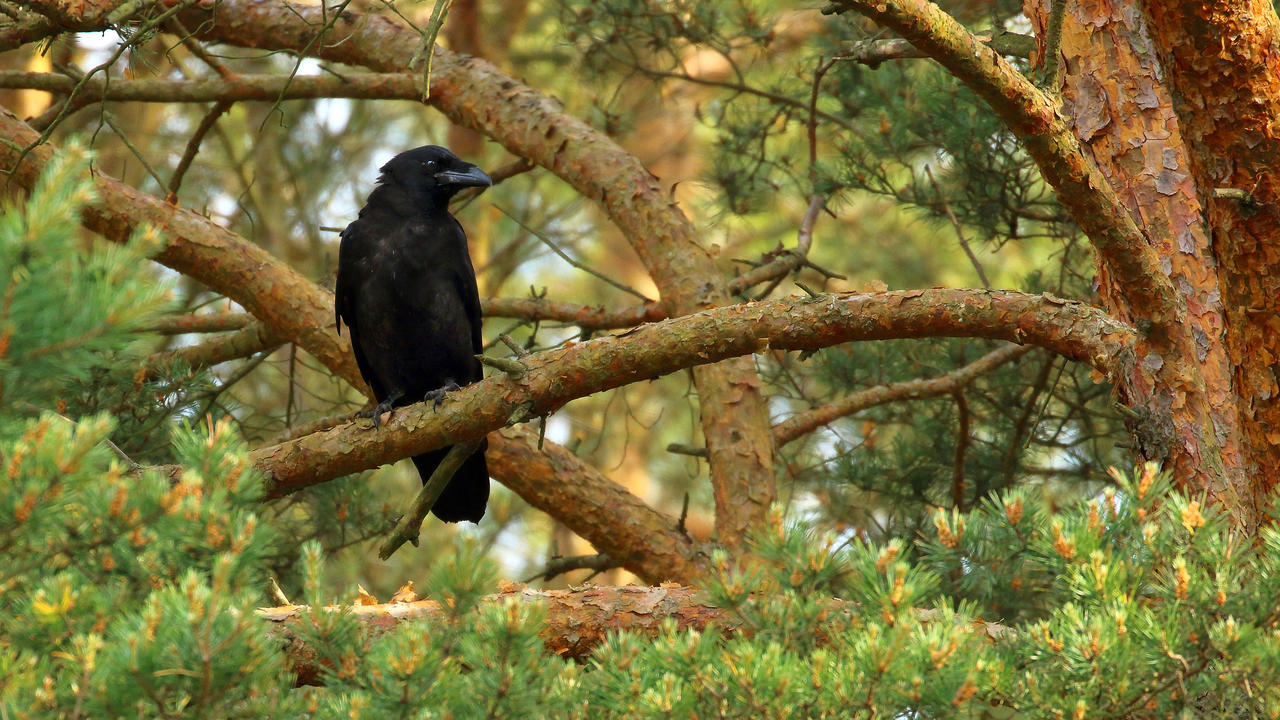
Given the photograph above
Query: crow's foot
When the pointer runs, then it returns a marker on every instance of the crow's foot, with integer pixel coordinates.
(437, 396)
(386, 406)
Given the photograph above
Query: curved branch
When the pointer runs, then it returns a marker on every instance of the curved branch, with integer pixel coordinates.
(810, 420)
(614, 520)
(555, 377)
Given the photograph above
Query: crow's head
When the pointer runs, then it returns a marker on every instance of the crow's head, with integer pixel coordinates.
(432, 173)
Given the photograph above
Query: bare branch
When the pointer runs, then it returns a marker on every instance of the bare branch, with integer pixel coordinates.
(874, 52)
(810, 420)
(250, 340)
(199, 323)
(606, 514)
(556, 566)
(236, 88)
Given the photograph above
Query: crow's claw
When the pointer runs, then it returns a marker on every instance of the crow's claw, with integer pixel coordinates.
(437, 396)
(386, 406)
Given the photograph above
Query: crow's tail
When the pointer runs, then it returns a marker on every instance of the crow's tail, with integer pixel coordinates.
(467, 493)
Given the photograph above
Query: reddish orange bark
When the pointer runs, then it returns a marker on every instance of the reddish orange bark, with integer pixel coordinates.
(1222, 59)
(1115, 98)
(575, 621)
(555, 377)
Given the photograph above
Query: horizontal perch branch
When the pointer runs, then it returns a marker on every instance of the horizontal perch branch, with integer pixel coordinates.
(555, 377)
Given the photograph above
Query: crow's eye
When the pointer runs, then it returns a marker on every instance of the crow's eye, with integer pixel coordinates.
(430, 165)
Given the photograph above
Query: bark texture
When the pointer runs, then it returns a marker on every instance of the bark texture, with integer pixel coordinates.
(576, 621)
(617, 522)
(1115, 97)
(1223, 62)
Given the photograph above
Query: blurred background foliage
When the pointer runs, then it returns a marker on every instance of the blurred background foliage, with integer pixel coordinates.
(744, 110)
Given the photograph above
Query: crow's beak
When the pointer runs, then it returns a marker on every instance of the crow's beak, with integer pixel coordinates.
(471, 177)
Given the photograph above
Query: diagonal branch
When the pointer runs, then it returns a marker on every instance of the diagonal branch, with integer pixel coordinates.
(236, 88)
(810, 420)
(614, 520)
(250, 340)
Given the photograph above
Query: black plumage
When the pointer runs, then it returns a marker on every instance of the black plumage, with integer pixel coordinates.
(407, 293)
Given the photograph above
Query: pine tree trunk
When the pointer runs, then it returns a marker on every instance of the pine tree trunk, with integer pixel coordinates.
(1121, 108)
(1222, 61)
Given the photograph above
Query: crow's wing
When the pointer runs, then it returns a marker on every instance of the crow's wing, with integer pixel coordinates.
(346, 292)
(469, 292)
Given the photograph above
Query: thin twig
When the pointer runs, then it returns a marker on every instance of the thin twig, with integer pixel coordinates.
(409, 527)
(598, 562)
(110, 120)
(513, 368)
(551, 244)
(955, 222)
(193, 147)
(962, 446)
(195, 48)
(682, 449)
(1053, 44)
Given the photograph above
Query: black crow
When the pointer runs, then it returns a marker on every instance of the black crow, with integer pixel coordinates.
(407, 292)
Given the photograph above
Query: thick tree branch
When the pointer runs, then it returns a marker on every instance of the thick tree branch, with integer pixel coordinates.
(810, 420)
(614, 520)
(237, 88)
(575, 621)
(555, 377)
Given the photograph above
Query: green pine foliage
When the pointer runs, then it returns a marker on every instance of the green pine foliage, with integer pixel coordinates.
(64, 304)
